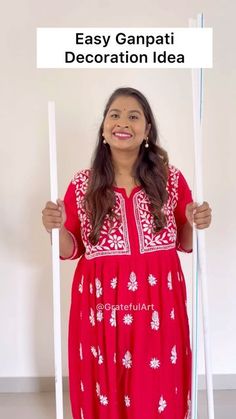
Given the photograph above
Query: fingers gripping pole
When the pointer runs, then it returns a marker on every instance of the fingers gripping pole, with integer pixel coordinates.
(199, 261)
(55, 265)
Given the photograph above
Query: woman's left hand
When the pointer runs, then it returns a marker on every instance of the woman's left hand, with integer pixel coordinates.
(200, 215)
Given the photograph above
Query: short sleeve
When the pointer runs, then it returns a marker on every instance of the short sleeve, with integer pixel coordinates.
(184, 198)
(72, 223)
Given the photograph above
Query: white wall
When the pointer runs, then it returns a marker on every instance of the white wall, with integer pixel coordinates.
(26, 347)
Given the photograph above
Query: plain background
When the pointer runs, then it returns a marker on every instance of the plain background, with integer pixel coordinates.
(26, 324)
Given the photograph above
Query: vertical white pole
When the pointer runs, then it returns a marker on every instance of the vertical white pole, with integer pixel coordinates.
(195, 285)
(55, 265)
(199, 246)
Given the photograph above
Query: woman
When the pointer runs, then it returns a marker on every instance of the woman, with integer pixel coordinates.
(127, 215)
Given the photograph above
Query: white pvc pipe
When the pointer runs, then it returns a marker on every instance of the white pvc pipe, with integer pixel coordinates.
(195, 329)
(55, 265)
(195, 283)
(199, 260)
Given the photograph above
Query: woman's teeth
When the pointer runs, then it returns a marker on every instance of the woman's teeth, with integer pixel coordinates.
(122, 135)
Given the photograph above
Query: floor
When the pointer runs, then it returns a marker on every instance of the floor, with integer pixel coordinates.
(42, 405)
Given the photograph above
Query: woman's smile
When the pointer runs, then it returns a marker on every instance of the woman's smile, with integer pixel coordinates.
(125, 120)
(121, 135)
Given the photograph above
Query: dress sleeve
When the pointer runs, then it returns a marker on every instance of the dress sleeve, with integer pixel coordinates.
(72, 223)
(184, 198)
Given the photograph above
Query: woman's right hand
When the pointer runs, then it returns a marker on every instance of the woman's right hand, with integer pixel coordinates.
(54, 215)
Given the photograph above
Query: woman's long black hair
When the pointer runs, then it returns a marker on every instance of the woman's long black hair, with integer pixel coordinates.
(150, 169)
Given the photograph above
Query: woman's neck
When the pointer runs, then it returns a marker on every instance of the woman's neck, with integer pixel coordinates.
(123, 164)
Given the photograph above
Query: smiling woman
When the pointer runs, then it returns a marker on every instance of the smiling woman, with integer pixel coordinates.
(126, 217)
(125, 120)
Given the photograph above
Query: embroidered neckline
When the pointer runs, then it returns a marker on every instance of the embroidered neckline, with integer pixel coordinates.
(115, 235)
(123, 190)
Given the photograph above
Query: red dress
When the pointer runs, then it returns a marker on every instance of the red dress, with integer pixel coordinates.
(129, 348)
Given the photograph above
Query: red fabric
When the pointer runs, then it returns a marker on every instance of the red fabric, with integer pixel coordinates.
(130, 359)
(72, 223)
(185, 197)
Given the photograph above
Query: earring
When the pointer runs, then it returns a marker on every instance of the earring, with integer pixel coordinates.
(146, 145)
(104, 141)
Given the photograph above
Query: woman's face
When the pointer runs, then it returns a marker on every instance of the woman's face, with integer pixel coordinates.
(125, 126)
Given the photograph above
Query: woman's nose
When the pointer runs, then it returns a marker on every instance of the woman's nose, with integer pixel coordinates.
(122, 122)
(120, 125)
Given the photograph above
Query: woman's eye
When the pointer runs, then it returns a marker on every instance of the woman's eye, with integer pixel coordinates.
(116, 115)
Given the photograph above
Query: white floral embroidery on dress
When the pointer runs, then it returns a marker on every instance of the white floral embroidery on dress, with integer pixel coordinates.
(128, 319)
(91, 317)
(127, 401)
(173, 355)
(115, 241)
(152, 280)
(188, 414)
(81, 413)
(97, 354)
(127, 360)
(80, 351)
(98, 389)
(103, 399)
(81, 386)
(114, 238)
(179, 277)
(132, 284)
(94, 351)
(99, 315)
(171, 234)
(114, 282)
(114, 235)
(98, 287)
(114, 358)
(169, 281)
(162, 405)
(91, 288)
(155, 322)
(155, 363)
(150, 241)
(113, 317)
(81, 284)
(172, 314)
(100, 357)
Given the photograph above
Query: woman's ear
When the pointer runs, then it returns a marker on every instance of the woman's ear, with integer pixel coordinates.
(148, 129)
